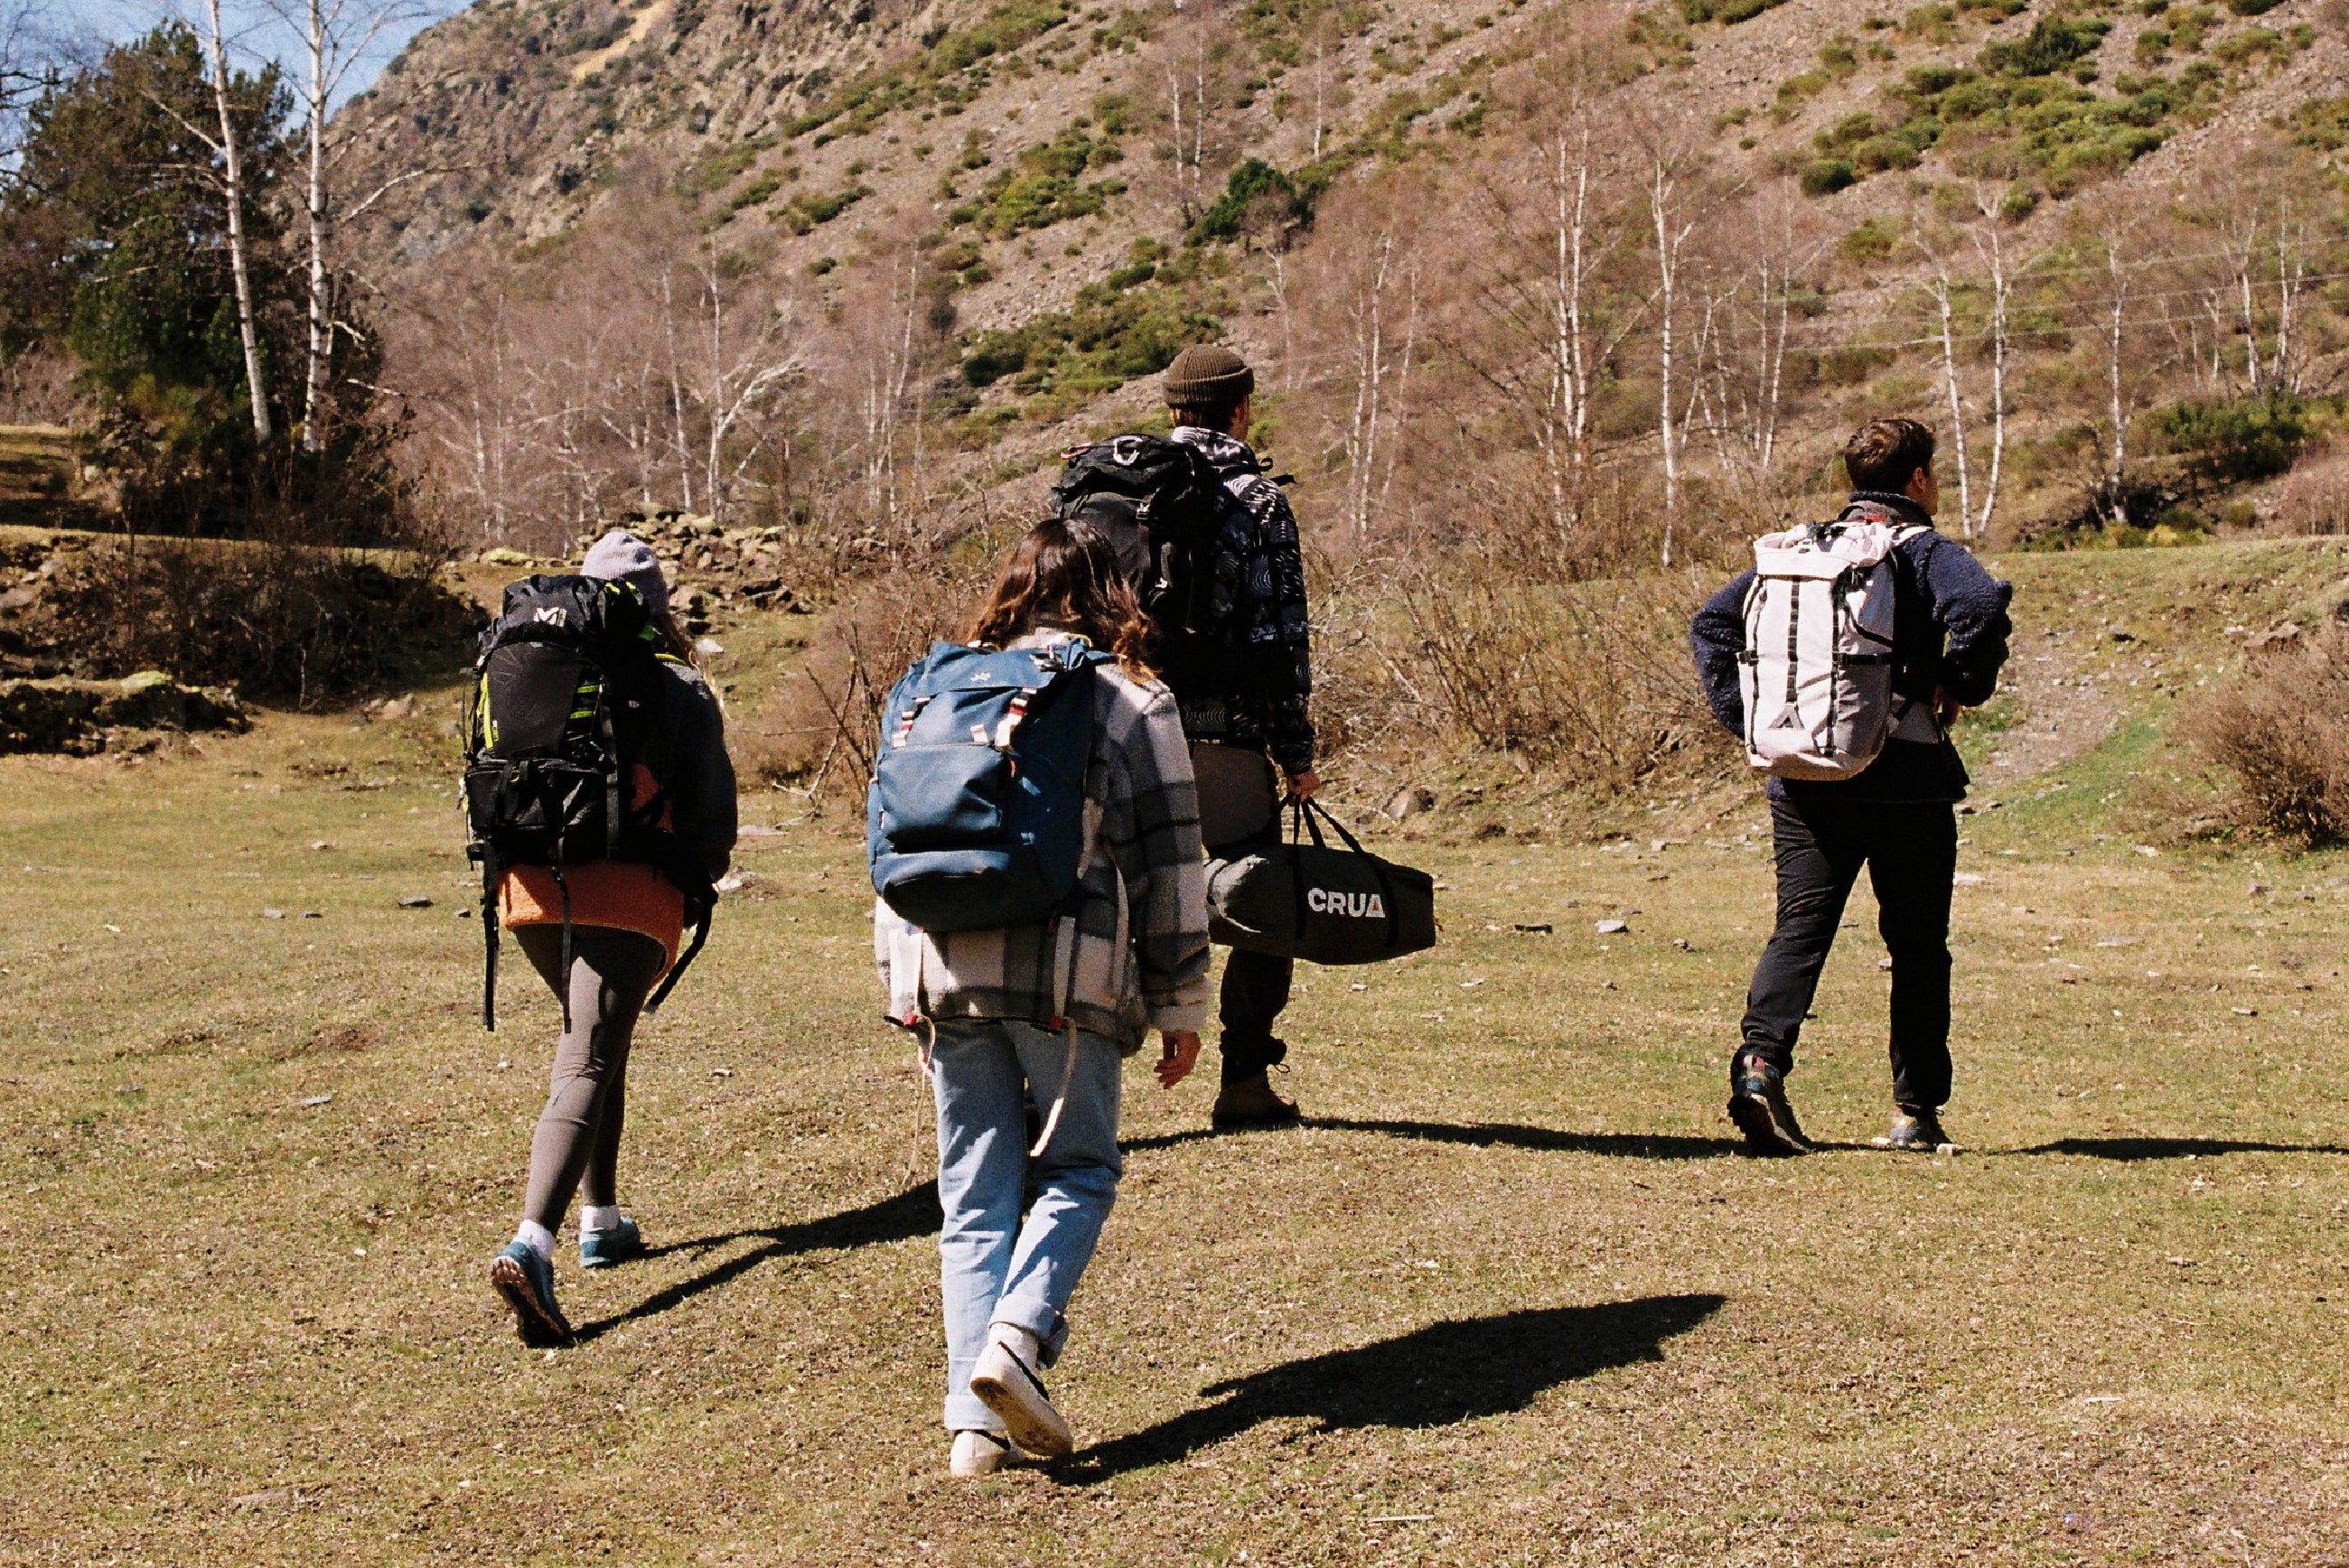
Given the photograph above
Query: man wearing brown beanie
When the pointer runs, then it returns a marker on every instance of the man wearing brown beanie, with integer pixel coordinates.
(1252, 713)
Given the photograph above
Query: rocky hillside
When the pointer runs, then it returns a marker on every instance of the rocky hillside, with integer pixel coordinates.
(1092, 183)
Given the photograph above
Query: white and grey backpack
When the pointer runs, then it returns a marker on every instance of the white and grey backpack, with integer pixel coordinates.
(1817, 664)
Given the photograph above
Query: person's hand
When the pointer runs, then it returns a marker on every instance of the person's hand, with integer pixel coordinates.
(1178, 1054)
(1301, 786)
(1945, 708)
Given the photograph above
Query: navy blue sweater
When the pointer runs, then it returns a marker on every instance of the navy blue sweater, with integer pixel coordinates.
(1950, 630)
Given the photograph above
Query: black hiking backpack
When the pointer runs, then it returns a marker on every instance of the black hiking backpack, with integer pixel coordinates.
(1160, 503)
(567, 696)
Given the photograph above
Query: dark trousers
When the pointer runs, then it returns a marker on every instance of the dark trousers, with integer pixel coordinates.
(1911, 851)
(1239, 813)
(1255, 989)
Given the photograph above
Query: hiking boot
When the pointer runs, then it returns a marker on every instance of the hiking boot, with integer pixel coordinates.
(977, 1454)
(1757, 1103)
(610, 1248)
(1008, 1385)
(1919, 1132)
(527, 1282)
(1251, 1102)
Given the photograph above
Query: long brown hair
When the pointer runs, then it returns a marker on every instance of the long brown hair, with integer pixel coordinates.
(673, 639)
(1063, 575)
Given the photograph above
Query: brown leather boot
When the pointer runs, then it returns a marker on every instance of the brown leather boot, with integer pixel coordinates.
(1251, 1102)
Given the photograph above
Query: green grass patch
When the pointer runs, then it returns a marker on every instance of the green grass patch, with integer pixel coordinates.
(1044, 186)
(941, 74)
(1108, 336)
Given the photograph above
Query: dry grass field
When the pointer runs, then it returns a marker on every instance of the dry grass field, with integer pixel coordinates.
(1512, 1297)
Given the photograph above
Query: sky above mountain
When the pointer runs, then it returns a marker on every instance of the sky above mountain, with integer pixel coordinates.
(263, 30)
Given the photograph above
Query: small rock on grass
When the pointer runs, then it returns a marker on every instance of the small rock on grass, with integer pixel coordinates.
(273, 914)
(416, 901)
(1534, 927)
(1613, 927)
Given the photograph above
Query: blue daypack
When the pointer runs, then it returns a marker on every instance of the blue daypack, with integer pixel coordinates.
(976, 817)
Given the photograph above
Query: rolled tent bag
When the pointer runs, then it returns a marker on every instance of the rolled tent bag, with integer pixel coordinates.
(1307, 900)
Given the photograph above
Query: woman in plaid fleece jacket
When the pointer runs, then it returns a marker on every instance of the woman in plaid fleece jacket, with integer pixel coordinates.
(1138, 963)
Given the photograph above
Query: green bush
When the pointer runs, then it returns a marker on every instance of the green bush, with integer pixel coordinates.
(807, 209)
(1041, 187)
(1827, 176)
(1254, 186)
(1107, 338)
(2238, 440)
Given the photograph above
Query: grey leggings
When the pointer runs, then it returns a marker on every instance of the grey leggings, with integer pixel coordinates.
(578, 1133)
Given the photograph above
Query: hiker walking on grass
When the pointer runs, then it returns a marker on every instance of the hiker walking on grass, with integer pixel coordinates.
(603, 933)
(1840, 662)
(1208, 541)
(1038, 780)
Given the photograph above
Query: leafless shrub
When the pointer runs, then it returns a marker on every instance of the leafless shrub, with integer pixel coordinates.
(276, 621)
(2314, 497)
(2283, 734)
(1591, 683)
(817, 735)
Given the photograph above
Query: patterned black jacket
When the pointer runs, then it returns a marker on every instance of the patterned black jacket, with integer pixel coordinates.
(1257, 611)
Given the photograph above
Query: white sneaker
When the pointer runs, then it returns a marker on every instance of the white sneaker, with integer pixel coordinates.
(976, 1454)
(1006, 1382)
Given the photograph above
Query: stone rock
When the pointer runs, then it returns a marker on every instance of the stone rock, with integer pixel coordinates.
(1411, 802)
(416, 901)
(1613, 927)
(499, 555)
(2281, 637)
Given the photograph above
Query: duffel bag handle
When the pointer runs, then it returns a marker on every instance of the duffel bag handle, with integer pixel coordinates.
(1314, 810)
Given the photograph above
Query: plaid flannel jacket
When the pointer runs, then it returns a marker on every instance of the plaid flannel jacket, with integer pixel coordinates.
(1136, 956)
(1258, 605)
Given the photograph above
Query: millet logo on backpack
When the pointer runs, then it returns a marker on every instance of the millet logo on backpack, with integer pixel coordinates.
(554, 616)
(1357, 905)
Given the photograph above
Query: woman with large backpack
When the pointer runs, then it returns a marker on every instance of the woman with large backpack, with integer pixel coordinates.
(603, 933)
(1032, 1017)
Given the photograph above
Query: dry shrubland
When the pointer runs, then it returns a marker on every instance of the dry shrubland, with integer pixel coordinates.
(281, 622)
(2281, 734)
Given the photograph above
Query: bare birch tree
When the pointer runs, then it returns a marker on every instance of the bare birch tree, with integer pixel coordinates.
(337, 36)
(1381, 378)
(1673, 155)
(230, 148)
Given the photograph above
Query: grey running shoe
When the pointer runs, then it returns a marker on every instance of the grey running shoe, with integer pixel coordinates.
(527, 1283)
(611, 1248)
(1757, 1103)
(1918, 1132)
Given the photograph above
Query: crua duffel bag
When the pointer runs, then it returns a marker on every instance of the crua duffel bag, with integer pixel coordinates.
(1323, 904)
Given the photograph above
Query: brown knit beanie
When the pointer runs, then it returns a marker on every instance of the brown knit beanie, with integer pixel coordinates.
(1208, 376)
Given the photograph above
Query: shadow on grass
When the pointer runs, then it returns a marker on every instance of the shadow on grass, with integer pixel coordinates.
(2135, 1149)
(1512, 1135)
(1447, 1372)
(911, 1214)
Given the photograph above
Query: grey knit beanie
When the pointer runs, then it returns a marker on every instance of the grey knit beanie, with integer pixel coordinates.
(621, 557)
(1208, 376)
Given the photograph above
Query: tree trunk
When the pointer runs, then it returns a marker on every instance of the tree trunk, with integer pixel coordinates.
(1957, 405)
(314, 390)
(233, 155)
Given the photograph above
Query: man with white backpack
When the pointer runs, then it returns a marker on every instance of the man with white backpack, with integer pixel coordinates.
(1839, 661)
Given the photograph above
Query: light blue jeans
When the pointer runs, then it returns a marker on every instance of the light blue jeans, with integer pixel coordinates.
(996, 1267)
